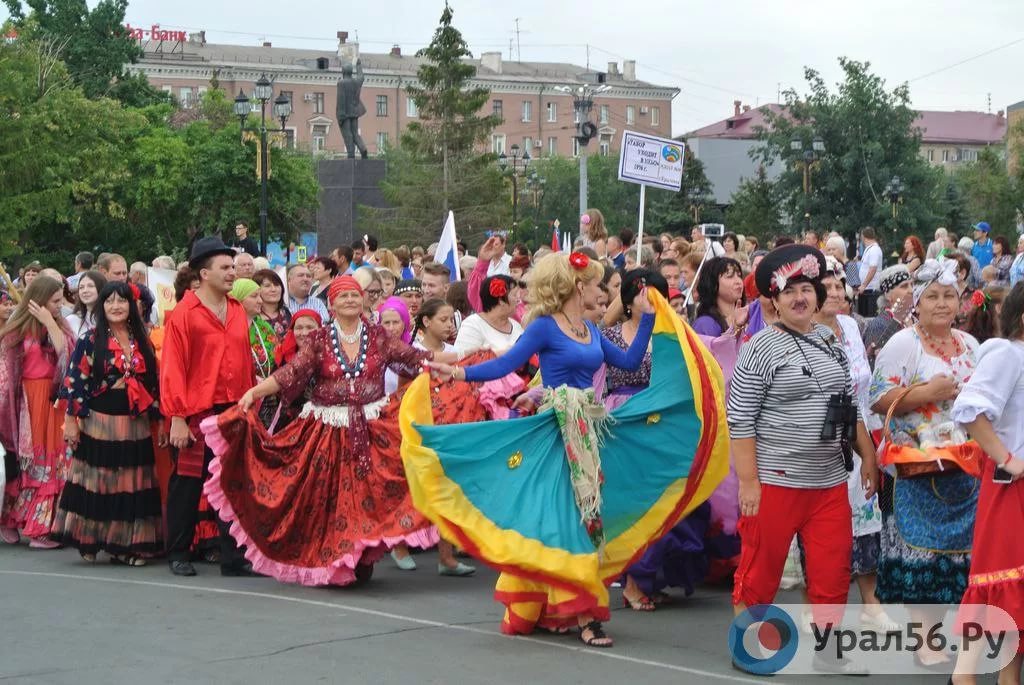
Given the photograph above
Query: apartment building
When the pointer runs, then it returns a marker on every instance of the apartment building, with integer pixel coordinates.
(531, 98)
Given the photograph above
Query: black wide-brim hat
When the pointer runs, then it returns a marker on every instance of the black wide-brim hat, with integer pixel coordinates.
(785, 263)
(208, 247)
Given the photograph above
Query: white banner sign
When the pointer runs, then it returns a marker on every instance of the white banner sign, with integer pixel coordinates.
(651, 161)
(161, 282)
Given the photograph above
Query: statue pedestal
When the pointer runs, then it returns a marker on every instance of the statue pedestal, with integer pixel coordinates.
(344, 185)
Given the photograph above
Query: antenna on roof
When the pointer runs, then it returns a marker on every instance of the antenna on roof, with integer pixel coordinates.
(990, 103)
(519, 47)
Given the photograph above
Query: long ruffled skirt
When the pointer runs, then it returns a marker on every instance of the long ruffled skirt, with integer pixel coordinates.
(299, 503)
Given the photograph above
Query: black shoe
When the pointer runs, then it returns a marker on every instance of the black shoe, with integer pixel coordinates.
(182, 567)
(239, 570)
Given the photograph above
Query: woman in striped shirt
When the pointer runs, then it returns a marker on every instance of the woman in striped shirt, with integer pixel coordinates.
(790, 446)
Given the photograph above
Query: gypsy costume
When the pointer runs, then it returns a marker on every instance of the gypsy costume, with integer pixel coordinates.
(111, 501)
(996, 390)
(32, 430)
(927, 520)
(532, 503)
(322, 500)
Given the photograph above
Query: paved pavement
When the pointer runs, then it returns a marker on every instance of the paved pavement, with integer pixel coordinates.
(64, 621)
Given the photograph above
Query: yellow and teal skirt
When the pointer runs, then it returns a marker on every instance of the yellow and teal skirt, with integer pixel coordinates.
(502, 490)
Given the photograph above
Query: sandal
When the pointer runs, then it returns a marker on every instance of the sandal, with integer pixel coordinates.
(597, 634)
(641, 603)
(88, 558)
(127, 560)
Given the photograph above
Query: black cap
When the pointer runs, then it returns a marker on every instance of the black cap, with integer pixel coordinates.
(408, 285)
(783, 259)
(208, 247)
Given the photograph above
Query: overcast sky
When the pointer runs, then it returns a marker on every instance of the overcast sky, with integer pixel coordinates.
(715, 51)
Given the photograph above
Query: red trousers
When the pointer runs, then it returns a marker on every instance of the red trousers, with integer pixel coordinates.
(823, 519)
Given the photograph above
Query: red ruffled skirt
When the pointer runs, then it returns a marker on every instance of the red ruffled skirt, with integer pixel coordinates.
(997, 560)
(298, 503)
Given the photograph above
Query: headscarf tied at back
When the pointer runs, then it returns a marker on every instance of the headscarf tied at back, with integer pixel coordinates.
(340, 285)
(289, 347)
(243, 288)
(396, 304)
(941, 271)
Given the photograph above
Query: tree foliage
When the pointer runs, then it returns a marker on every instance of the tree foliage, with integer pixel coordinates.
(439, 164)
(677, 212)
(754, 208)
(869, 138)
(92, 43)
(989, 193)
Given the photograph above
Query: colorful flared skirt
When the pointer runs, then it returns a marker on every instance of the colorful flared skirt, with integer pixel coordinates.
(502, 490)
(301, 501)
(111, 500)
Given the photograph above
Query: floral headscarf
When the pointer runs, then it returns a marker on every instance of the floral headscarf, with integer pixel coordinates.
(941, 271)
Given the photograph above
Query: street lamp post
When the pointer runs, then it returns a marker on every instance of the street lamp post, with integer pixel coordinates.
(519, 165)
(809, 159)
(282, 110)
(582, 104)
(894, 194)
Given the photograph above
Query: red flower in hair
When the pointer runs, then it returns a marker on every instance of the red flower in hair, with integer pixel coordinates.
(579, 261)
(979, 299)
(498, 288)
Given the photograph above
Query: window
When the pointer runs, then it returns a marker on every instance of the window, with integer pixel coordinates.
(289, 138)
(200, 92)
(604, 114)
(498, 143)
(382, 105)
(528, 145)
(552, 112)
(655, 116)
(382, 141)
(499, 109)
(605, 148)
(167, 89)
(931, 155)
(319, 137)
(527, 110)
(630, 114)
(967, 155)
(318, 103)
(410, 108)
(552, 146)
(945, 155)
(185, 97)
(575, 147)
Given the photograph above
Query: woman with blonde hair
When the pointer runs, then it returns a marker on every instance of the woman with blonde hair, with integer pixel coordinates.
(373, 290)
(386, 259)
(593, 233)
(35, 345)
(558, 546)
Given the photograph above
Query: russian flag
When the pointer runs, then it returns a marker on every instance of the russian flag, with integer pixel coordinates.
(448, 248)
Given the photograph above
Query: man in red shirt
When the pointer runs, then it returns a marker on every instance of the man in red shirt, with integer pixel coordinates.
(206, 367)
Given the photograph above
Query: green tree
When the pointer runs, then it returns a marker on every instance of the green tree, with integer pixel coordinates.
(869, 137)
(956, 217)
(93, 44)
(989, 192)
(438, 165)
(677, 212)
(754, 208)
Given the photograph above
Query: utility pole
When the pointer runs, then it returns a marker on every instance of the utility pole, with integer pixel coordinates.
(582, 104)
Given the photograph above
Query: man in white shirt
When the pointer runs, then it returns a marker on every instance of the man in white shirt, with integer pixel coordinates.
(83, 262)
(870, 274)
(499, 266)
(937, 245)
(300, 283)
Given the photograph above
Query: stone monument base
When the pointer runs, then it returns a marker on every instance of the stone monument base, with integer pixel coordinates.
(344, 185)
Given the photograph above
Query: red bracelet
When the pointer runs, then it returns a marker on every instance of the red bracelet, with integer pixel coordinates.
(1009, 458)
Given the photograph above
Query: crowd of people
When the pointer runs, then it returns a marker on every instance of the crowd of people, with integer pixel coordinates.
(653, 417)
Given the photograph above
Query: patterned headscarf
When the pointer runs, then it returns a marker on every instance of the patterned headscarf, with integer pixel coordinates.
(942, 272)
(892, 277)
(340, 285)
(396, 304)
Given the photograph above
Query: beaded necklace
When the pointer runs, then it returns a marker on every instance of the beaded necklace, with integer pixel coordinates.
(934, 346)
(353, 369)
(127, 358)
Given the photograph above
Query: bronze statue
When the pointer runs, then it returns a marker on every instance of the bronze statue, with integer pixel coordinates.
(350, 108)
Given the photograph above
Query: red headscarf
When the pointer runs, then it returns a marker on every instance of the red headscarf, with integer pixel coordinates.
(289, 347)
(340, 285)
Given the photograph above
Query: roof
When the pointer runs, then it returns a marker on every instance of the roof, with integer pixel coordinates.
(977, 128)
(297, 59)
(742, 126)
(974, 128)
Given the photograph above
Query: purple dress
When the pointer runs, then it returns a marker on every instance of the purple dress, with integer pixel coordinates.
(678, 559)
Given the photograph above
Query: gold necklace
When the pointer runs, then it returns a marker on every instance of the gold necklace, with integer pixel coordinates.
(580, 333)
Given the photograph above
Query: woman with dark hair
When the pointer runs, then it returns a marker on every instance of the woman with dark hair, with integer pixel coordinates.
(274, 308)
(963, 287)
(731, 243)
(913, 254)
(493, 328)
(719, 296)
(991, 407)
(458, 298)
(111, 501)
(983, 322)
(1002, 258)
(83, 316)
(35, 344)
(323, 269)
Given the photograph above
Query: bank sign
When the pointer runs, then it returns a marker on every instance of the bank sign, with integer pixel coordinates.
(154, 32)
(651, 161)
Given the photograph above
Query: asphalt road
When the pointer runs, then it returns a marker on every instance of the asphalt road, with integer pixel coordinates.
(65, 621)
